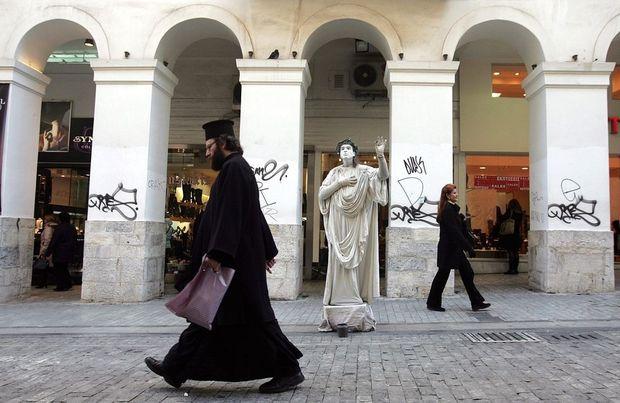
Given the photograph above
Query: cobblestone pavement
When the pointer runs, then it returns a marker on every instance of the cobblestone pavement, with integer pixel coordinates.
(394, 367)
(61, 349)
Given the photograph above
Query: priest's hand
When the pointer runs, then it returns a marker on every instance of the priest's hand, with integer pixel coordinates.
(350, 181)
(269, 264)
(212, 264)
(380, 146)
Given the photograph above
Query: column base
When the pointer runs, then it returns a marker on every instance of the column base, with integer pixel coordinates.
(571, 261)
(285, 281)
(123, 261)
(411, 262)
(359, 318)
(16, 252)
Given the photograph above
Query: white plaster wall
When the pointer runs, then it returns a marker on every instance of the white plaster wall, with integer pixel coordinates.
(72, 82)
(489, 124)
(420, 28)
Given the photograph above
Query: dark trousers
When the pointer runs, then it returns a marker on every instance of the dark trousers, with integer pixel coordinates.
(513, 260)
(439, 283)
(61, 273)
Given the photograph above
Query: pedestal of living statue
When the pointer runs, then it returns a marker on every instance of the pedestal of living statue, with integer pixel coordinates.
(359, 318)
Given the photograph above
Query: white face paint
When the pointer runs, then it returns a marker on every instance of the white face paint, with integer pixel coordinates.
(347, 154)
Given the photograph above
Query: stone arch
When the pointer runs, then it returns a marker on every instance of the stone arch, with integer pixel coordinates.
(360, 22)
(173, 33)
(507, 24)
(605, 38)
(38, 35)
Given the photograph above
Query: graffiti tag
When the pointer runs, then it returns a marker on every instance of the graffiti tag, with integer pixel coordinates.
(109, 202)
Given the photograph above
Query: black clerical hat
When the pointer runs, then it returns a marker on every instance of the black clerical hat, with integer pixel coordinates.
(216, 127)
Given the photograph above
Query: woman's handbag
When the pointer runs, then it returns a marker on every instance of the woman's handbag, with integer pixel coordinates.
(507, 227)
(40, 264)
(201, 297)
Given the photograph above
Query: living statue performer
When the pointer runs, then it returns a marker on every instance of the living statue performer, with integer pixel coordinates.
(348, 200)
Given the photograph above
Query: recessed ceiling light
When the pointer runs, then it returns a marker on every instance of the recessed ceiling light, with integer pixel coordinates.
(89, 42)
(524, 94)
(525, 168)
(483, 168)
(496, 94)
(517, 74)
(496, 73)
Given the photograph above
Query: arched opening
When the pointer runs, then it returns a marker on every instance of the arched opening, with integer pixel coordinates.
(613, 55)
(491, 141)
(62, 51)
(347, 99)
(202, 54)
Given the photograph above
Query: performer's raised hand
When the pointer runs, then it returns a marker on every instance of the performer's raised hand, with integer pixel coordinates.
(380, 146)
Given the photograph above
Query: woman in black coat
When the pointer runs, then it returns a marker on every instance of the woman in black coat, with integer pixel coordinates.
(453, 241)
(512, 241)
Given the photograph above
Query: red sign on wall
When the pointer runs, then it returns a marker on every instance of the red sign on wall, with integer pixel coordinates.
(507, 183)
(613, 124)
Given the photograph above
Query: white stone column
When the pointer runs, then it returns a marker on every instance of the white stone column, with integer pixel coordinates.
(19, 173)
(420, 165)
(124, 247)
(570, 243)
(271, 133)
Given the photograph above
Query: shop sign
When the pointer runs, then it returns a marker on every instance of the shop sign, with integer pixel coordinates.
(507, 183)
(613, 124)
(83, 141)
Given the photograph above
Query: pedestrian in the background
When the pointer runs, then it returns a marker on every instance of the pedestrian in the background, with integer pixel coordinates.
(453, 241)
(49, 225)
(245, 341)
(61, 249)
(510, 234)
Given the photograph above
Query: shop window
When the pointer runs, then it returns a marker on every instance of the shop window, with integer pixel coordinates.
(615, 83)
(492, 181)
(506, 80)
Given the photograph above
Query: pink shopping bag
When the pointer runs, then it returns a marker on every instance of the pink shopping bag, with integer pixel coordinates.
(199, 301)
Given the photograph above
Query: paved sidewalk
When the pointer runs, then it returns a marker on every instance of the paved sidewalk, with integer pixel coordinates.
(512, 303)
(62, 349)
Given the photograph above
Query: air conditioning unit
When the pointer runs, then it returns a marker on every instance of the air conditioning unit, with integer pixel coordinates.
(366, 79)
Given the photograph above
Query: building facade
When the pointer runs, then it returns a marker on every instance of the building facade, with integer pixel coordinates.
(424, 73)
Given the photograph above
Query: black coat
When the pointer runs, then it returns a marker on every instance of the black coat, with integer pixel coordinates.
(234, 231)
(62, 245)
(453, 239)
(512, 241)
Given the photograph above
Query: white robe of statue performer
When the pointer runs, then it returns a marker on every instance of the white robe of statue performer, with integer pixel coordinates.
(348, 200)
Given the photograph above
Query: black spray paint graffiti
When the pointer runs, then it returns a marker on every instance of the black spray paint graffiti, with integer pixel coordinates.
(415, 165)
(579, 209)
(420, 208)
(265, 174)
(109, 202)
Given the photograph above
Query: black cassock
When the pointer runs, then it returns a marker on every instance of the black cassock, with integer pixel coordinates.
(246, 341)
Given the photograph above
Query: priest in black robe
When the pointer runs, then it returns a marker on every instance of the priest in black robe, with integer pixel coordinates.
(246, 341)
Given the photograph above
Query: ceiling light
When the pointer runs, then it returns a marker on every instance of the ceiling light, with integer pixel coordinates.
(517, 74)
(89, 42)
(496, 94)
(483, 168)
(524, 94)
(496, 73)
(525, 168)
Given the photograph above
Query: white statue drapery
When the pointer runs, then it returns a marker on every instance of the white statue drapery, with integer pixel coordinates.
(351, 227)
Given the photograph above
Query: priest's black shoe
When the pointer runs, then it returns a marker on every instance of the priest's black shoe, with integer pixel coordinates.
(436, 308)
(155, 366)
(282, 384)
(482, 305)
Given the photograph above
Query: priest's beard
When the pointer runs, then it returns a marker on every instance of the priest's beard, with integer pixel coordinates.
(217, 160)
